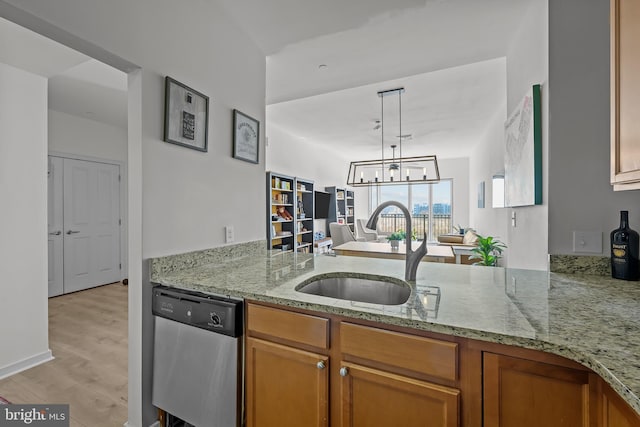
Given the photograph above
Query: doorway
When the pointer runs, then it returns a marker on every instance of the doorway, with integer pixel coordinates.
(84, 224)
(24, 354)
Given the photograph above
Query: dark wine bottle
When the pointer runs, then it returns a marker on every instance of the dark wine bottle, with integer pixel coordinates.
(624, 250)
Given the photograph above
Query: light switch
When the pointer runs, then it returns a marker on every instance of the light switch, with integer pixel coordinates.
(587, 241)
(513, 218)
(228, 234)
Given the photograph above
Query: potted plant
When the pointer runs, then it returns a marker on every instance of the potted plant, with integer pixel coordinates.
(488, 251)
(394, 238)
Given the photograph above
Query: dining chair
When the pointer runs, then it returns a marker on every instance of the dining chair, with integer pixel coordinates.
(340, 233)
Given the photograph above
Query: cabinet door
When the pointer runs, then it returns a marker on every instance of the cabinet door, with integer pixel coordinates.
(376, 398)
(625, 94)
(616, 412)
(285, 386)
(523, 393)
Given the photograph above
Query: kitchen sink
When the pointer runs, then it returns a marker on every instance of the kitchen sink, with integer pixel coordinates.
(358, 289)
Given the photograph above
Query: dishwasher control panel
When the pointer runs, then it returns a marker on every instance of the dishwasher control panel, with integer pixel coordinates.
(213, 313)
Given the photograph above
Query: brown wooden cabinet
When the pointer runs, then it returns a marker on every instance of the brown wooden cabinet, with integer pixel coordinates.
(625, 94)
(383, 379)
(615, 411)
(286, 368)
(526, 393)
(285, 386)
(314, 369)
(371, 397)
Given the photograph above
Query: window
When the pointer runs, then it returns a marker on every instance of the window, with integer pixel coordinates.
(430, 206)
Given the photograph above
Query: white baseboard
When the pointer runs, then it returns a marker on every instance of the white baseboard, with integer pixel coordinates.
(23, 365)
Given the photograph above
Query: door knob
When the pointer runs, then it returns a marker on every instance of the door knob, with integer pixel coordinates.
(72, 232)
(320, 364)
(344, 371)
(55, 233)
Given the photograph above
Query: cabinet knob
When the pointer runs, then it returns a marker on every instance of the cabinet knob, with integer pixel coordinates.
(344, 371)
(320, 364)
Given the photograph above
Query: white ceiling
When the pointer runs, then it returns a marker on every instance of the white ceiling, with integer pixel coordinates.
(367, 45)
(445, 112)
(78, 85)
(448, 54)
(24, 49)
(369, 41)
(91, 90)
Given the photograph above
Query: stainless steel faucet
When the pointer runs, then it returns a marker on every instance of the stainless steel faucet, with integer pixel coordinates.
(412, 259)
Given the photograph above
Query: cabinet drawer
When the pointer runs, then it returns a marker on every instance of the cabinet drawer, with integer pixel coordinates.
(287, 325)
(424, 355)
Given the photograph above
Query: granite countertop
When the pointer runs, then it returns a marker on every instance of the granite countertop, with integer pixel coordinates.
(592, 320)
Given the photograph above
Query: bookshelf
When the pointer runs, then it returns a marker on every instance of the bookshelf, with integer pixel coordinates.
(304, 216)
(341, 208)
(290, 210)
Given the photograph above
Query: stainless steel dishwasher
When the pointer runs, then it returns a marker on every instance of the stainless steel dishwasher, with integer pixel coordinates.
(197, 366)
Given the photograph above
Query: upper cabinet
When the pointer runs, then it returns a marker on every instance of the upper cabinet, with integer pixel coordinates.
(625, 94)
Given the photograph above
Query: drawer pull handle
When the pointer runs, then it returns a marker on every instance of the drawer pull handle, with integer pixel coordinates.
(344, 371)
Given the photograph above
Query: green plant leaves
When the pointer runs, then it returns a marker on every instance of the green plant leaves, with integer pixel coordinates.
(487, 251)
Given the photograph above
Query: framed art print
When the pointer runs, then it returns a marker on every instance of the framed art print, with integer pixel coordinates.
(246, 137)
(186, 116)
(523, 152)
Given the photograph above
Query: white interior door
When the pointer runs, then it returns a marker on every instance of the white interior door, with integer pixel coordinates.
(91, 224)
(54, 228)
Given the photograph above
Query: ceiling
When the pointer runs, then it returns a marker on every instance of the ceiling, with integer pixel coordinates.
(92, 90)
(445, 111)
(78, 85)
(369, 41)
(448, 54)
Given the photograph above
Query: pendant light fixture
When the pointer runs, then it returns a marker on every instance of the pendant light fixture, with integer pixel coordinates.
(401, 170)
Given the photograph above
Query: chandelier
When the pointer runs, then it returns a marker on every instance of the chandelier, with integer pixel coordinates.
(392, 170)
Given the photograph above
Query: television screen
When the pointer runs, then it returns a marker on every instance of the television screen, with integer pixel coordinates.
(322, 201)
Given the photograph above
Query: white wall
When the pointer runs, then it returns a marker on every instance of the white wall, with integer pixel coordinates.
(486, 160)
(580, 196)
(289, 155)
(458, 170)
(527, 64)
(78, 135)
(23, 218)
(187, 196)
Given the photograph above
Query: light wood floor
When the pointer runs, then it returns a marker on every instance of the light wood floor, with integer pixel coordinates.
(88, 337)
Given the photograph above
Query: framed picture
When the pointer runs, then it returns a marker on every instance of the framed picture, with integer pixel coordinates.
(186, 115)
(246, 137)
(523, 152)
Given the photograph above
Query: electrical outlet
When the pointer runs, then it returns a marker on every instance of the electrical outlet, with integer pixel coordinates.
(587, 241)
(229, 234)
